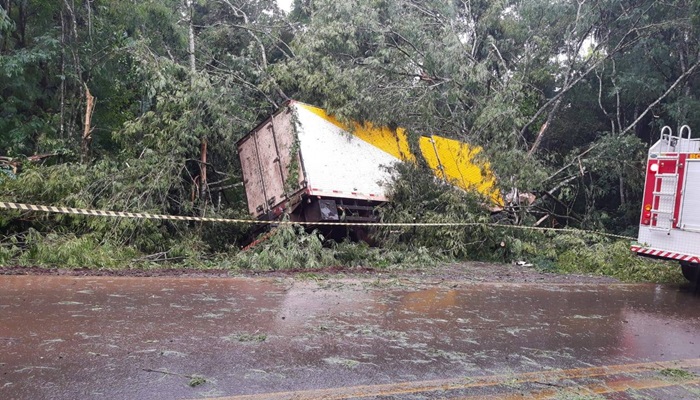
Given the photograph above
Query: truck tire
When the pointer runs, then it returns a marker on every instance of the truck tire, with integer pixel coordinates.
(691, 271)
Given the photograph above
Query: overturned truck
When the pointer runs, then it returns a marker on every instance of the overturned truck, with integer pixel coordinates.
(306, 164)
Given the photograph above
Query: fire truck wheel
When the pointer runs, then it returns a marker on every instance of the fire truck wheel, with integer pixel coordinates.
(691, 271)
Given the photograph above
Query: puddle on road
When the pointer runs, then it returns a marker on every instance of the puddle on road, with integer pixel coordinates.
(260, 335)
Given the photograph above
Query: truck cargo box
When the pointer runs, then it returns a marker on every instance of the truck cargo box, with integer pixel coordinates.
(306, 162)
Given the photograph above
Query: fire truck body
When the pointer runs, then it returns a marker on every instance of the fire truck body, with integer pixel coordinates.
(669, 227)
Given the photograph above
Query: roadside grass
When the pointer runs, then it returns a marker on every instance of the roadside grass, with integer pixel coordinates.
(568, 254)
(293, 248)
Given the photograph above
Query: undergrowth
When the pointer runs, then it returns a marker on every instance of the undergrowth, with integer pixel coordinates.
(292, 248)
(585, 253)
(36, 239)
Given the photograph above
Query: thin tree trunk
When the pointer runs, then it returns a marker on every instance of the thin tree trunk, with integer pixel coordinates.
(193, 71)
(63, 77)
(87, 126)
(5, 39)
(22, 24)
(88, 7)
(74, 48)
(203, 170)
(545, 126)
(623, 198)
(193, 64)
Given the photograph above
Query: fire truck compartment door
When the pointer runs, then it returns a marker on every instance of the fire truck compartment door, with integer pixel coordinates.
(690, 213)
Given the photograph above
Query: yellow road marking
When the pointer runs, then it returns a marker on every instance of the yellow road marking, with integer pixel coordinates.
(593, 389)
(404, 388)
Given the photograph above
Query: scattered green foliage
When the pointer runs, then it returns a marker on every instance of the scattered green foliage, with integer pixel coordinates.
(196, 380)
(68, 250)
(247, 337)
(289, 247)
(613, 258)
(344, 362)
(677, 374)
(417, 196)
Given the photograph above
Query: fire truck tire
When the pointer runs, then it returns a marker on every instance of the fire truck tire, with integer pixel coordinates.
(691, 271)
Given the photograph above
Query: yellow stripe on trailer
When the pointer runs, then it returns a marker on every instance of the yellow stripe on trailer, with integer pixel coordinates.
(450, 160)
(455, 162)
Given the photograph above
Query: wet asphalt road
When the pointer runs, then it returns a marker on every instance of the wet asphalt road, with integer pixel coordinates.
(154, 338)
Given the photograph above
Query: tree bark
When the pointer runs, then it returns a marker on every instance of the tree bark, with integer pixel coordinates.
(87, 126)
(63, 77)
(203, 189)
(203, 170)
(545, 126)
(190, 29)
(623, 198)
(22, 24)
(88, 8)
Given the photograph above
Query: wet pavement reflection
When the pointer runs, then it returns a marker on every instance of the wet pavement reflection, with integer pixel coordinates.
(101, 337)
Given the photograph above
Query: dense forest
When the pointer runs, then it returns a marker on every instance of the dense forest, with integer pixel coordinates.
(136, 105)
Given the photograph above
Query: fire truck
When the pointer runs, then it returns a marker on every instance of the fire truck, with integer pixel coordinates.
(669, 227)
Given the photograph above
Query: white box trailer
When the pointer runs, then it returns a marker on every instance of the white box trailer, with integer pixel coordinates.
(669, 227)
(297, 156)
(305, 163)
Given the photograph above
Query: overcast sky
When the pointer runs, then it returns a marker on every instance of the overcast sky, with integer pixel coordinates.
(286, 5)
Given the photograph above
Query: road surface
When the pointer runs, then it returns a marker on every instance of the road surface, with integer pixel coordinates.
(65, 337)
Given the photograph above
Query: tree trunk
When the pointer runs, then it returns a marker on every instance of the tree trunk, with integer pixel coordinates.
(203, 170)
(623, 198)
(545, 126)
(6, 39)
(63, 77)
(22, 24)
(87, 126)
(193, 64)
(193, 71)
(88, 8)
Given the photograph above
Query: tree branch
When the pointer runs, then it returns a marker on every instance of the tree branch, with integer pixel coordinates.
(666, 93)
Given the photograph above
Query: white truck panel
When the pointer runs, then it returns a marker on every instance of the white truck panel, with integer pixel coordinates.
(284, 134)
(252, 177)
(330, 162)
(675, 240)
(689, 218)
(680, 146)
(337, 163)
(265, 160)
(274, 184)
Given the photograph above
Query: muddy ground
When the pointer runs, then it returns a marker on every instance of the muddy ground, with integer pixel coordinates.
(466, 272)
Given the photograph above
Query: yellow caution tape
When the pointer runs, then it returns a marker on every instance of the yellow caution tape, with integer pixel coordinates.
(124, 214)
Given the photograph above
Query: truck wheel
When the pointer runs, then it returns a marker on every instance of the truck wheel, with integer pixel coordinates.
(691, 271)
